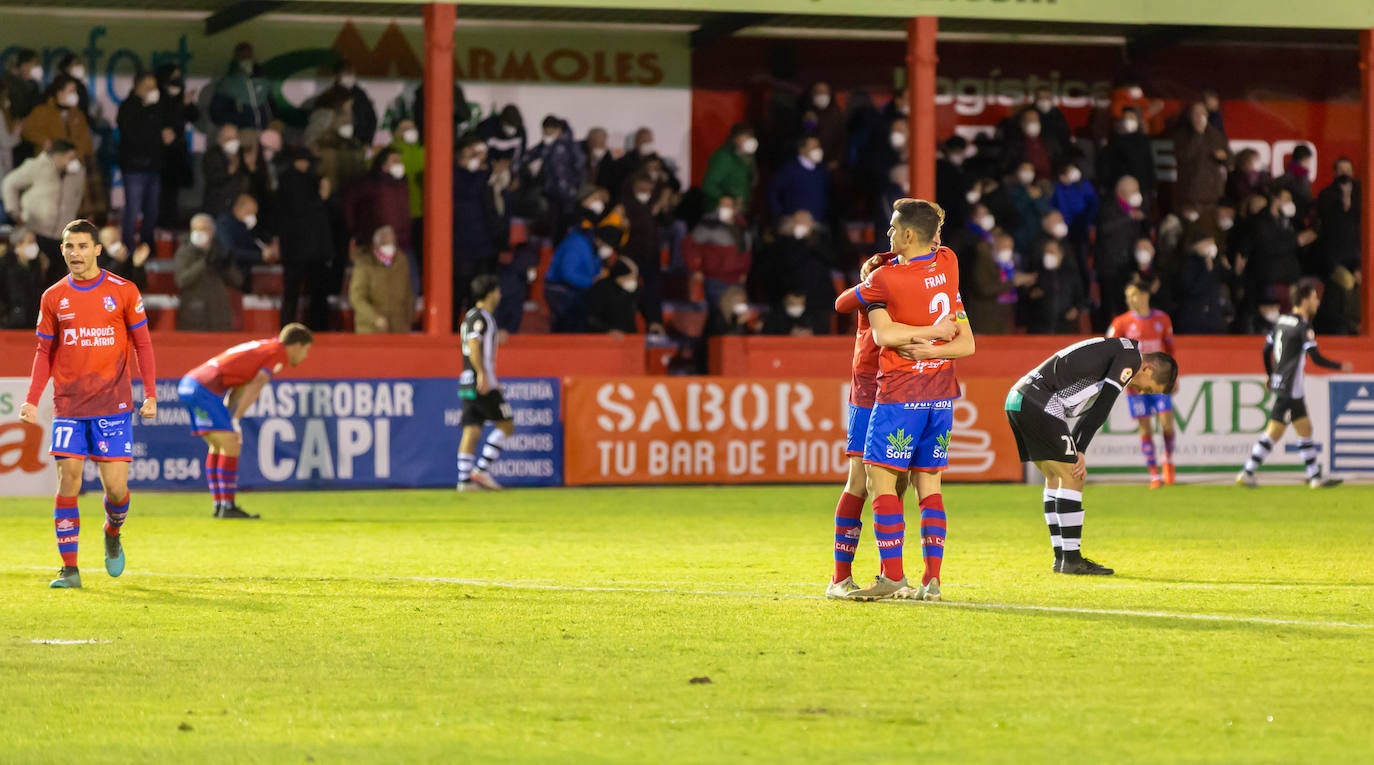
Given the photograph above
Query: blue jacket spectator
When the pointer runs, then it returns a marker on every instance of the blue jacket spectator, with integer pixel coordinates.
(556, 166)
(234, 230)
(1075, 199)
(575, 263)
(802, 184)
(241, 96)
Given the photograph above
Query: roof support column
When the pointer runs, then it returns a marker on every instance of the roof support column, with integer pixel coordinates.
(920, 93)
(438, 222)
(1367, 181)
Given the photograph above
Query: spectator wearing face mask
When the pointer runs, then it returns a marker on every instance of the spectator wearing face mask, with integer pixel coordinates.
(581, 258)
(556, 166)
(1150, 271)
(504, 135)
(731, 171)
(405, 138)
(731, 315)
(1029, 201)
(143, 142)
(1029, 145)
(822, 117)
(1128, 152)
(1120, 225)
(1057, 297)
(647, 215)
(71, 66)
(1338, 252)
(1297, 180)
(1250, 177)
(345, 88)
(24, 274)
(1202, 154)
(237, 234)
(976, 233)
(952, 182)
(58, 118)
(596, 148)
(1054, 126)
(613, 300)
(1270, 256)
(24, 83)
(715, 251)
(43, 194)
(802, 184)
(477, 233)
(10, 136)
(380, 289)
(896, 186)
(382, 198)
(307, 239)
(642, 150)
(205, 273)
(987, 273)
(177, 108)
(1076, 199)
(226, 177)
(342, 157)
(794, 316)
(241, 97)
(1204, 307)
(118, 259)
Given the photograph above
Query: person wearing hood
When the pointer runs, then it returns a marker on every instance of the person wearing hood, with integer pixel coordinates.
(504, 135)
(204, 275)
(582, 257)
(307, 239)
(241, 96)
(177, 108)
(731, 171)
(613, 300)
(380, 291)
(345, 88)
(143, 142)
(556, 166)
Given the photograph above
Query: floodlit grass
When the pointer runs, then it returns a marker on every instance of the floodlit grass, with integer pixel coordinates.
(567, 625)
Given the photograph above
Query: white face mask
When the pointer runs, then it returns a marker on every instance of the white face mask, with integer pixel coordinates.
(398, 171)
(1026, 177)
(750, 145)
(816, 155)
(740, 309)
(246, 65)
(1073, 176)
(152, 97)
(800, 231)
(345, 131)
(1207, 250)
(387, 250)
(251, 221)
(70, 99)
(73, 165)
(605, 251)
(1144, 257)
(973, 196)
(36, 73)
(348, 80)
(28, 252)
(200, 238)
(1129, 126)
(596, 206)
(1060, 230)
(1190, 216)
(509, 130)
(598, 153)
(986, 222)
(956, 159)
(1032, 130)
(898, 139)
(647, 149)
(77, 72)
(1135, 200)
(795, 311)
(547, 139)
(1135, 93)
(821, 100)
(630, 285)
(1289, 209)
(1051, 261)
(1225, 224)
(474, 164)
(1044, 104)
(173, 90)
(231, 146)
(725, 214)
(410, 135)
(1003, 256)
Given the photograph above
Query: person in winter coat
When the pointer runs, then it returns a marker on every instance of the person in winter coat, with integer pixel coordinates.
(1076, 199)
(478, 236)
(1129, 152)
(307, 239)
(556, 167)
(43, 194)
(25, 272)
(143, 141)
(241, 97)
(59, 118)
(611, 302)
(504, 135)
(731, 171)
(177, 109)
(647, 215)
(715, 251)
(1058, 296)
(342, 157)
(1204, 307)
(822, 117)
(381, 199)
(346, 88)
(802, 184)
(1119, 226)
(24, 83)
(578, 262)
(1271, 252)
(380, 290)
(1203, 154)
(204, 275)
(406, 139)
(118, 259)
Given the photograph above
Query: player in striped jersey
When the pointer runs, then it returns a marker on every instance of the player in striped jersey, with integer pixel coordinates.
(479, 389)
(1152, 330)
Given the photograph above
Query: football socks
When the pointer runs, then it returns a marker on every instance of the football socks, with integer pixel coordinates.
(1258, 454)
(491, 450)
(848, 524)
(66, 520)
(933, 530)
(1069, 505)
(115, 514)
(1052, 521)
(889, 526)
(1308, 449)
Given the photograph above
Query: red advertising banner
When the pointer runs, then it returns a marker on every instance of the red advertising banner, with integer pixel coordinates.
(643, 430)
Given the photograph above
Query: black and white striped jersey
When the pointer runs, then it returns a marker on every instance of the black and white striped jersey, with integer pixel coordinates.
(1081, 382)
(479, 324)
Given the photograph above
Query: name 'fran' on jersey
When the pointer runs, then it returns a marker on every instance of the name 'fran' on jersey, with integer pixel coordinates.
(481, 325)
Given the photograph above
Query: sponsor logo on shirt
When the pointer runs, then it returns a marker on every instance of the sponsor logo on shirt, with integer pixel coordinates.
(90, 337)
(139, 308)
(942, 444)
(69, 337)
(64, 303)
(66, 316)
(899, 445)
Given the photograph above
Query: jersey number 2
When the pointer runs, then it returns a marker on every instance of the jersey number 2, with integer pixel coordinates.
(1068, 446)
(940, 302)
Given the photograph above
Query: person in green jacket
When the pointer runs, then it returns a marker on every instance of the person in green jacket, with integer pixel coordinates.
(405, 138)
(731, 171)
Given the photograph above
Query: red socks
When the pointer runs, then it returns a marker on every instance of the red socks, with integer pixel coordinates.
(932, 535)
(889, 526)
(848, 514)
(66, 521)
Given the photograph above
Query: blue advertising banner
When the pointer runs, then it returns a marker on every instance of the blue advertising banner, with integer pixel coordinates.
(1352, 425)
(336, 434)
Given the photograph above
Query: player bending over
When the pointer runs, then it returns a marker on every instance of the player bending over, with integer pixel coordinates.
(1079, 383)
(86, 325)
(237, 374)
(1152, 330)
(863, 388)
(1285, 349)
(479, 389)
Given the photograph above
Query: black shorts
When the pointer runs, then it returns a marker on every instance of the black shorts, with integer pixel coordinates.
(1288, 409)
(485, 407)
(1041, 437)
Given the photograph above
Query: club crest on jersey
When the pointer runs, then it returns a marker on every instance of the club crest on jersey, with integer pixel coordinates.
(109, 303)
(103, 446)
(1126, 375)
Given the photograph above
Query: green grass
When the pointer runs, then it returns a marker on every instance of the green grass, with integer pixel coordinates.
(379, 627)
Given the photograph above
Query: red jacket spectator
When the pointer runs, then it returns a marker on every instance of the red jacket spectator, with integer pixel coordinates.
(713, 249)
(381, 199)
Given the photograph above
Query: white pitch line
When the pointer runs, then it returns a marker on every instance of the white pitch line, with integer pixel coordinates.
(63, 641)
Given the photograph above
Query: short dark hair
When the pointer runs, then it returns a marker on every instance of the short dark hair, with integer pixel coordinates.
(59, 146)
(485, 285)
(1304, 288)
(26, 55)
(296, 334)
(925, 217)
(1301, 151)
(1166, 369)
(741, 128)
(81, 226)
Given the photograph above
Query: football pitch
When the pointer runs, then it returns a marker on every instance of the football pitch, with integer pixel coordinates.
(667, 625)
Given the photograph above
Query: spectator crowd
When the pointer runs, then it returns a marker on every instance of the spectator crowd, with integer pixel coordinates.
(1051, 220)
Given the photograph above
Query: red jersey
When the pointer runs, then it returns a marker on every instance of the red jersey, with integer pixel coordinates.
(863, 381)
(1152, 333)
(240, 364)
(920, 293)
(89, 325)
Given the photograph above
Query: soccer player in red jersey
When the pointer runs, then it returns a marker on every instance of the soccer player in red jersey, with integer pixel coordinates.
(913, 413)
(1153, 332)
(87, 324)
(237, 374)
(863, 388)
